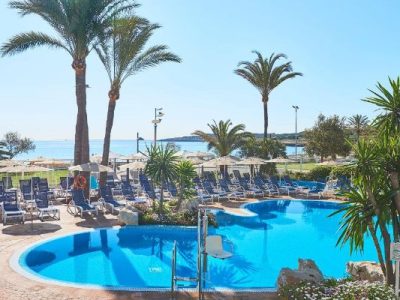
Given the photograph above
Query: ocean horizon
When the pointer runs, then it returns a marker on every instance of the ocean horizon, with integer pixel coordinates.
(64, 149)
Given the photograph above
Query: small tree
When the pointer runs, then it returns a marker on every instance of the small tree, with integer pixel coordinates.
(358, 125)
(266, 149)
(161, 167)
(15, 144)
(185, 174)
(327, 138)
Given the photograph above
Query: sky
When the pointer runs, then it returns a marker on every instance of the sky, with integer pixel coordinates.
(343, 48)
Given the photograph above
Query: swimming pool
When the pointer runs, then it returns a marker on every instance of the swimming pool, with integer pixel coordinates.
(139, 258)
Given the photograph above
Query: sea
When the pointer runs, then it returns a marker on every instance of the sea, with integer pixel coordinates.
(64, 149)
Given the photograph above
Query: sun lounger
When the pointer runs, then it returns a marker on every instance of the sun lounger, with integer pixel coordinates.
(45, 207)
(81, 204)
(11, 209)
(108, 200)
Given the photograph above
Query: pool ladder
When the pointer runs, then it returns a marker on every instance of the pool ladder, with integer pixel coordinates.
(201, 229)
(175, 278)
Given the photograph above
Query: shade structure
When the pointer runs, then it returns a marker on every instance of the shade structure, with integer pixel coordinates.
(52, 163)
(39, 158)
(195, 160)
(24, 169)
(280, 160)
(221, 161)
(9, 163)
(199, 154)
(137, 157)
(252, 161)
(91, 167)
(136, 165)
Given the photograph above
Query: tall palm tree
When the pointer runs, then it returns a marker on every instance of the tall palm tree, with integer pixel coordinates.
(224, 138)
(358, 123)
(123, 55)
(80, 25)
(265, 77)
(161, 167)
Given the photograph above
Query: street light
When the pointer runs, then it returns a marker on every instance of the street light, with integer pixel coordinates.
(296, 108)
(158, 114)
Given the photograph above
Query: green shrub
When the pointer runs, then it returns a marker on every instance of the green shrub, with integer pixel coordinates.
(319, 173)
(187, 217)
(337, 290)
(340, 171)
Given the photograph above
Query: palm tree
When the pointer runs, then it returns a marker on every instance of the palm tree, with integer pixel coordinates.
(371, 178)
(357, 220)
(185, 174)
(224, 139)
(80, 26)
(388, 125)
(123, 55)
(265, 77)
(388, 102)
(358, 123)
(161, 167)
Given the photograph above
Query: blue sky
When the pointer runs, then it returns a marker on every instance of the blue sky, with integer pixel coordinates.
(342, 47)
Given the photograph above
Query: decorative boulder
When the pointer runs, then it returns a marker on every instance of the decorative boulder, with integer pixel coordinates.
(128, 216)
(365, 270)
(307, 271)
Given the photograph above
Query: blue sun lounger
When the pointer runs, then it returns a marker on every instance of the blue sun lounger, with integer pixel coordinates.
(81, 204)
(11, 209)
(108, 200)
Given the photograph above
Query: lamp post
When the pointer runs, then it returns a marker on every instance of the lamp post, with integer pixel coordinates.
(296, 108)
(158, 114)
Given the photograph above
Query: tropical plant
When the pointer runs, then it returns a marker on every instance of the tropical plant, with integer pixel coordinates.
(358, 124)
(161, 168)
(388, 102)
(372, 187)
(80, 26)
(265, 77)
(224, 138)
(123, 54)
(15, 144)
(358, 220)
(268, 148)
(185, 174)
(327, 138)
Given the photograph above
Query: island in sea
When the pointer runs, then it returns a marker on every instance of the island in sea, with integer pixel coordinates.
(289, 139)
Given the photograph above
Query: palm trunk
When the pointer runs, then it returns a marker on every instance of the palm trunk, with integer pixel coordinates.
(81, 153)
(107, 137)
(394, 179)
(80, 90)
(377, 246)
(113, 95)
(161, 199)
(389, 275)
(265, 104)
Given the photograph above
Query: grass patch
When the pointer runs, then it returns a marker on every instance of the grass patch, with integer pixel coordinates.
(53, 177)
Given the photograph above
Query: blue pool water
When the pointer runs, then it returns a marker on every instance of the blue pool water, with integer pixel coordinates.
(140, 257)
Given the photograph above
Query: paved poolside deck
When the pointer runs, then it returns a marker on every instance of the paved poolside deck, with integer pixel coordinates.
(14, 286)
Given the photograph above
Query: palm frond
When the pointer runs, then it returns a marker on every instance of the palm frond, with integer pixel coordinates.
(24, 41)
